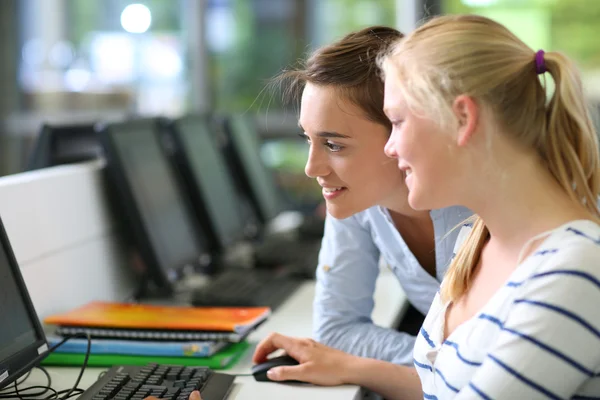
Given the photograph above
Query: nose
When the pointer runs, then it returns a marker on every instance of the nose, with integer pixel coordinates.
(390, 147)
(317, 164)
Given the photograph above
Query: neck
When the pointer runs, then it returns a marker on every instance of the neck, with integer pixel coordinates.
(410, 214)
(521, 202)
(399, 208)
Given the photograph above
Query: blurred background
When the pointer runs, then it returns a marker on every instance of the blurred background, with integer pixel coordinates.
(75, 61)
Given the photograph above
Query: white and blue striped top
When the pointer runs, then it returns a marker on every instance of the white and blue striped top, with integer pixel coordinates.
(537, 338)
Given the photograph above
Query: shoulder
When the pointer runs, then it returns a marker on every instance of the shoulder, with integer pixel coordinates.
(576, 243)
(572, 249)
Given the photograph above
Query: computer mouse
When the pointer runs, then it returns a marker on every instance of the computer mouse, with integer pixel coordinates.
(259, 371)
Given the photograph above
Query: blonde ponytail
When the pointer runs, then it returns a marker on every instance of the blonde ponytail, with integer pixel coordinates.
(572, 143)
(460, 273)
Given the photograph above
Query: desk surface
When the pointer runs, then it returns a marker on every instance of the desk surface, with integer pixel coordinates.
(293, 318)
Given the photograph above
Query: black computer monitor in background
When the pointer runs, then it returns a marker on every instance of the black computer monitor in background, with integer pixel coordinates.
(242, 150)
(145, 187)
(192, 147)
(22, 340)
(63, 144)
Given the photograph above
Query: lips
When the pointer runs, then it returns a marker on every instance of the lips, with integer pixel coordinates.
(332, 189)
(402, 166)
(333, 192)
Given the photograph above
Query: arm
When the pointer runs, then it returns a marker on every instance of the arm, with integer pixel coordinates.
(325, 366)
(390, 381)
(549, 346)
(346, 275)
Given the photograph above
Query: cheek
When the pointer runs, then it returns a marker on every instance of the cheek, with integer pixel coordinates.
(406, 143)
(436, 164)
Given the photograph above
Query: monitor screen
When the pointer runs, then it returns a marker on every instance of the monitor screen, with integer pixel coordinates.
(21, 337)
(165, 218)
(246, 145)
(210, 173)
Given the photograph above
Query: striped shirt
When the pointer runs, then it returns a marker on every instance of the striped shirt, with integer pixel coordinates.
(538, 337)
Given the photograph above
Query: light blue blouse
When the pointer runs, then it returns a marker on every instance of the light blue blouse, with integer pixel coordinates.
(347, 271)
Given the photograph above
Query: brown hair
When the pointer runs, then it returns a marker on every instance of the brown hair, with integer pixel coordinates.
(350, 66)
(473, 55)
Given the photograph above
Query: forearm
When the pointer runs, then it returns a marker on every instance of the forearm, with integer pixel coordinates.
(391, 381)
(365, 339)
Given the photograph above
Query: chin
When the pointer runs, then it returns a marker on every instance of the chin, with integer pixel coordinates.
(343, 210)
(417, 202)
(340, 213)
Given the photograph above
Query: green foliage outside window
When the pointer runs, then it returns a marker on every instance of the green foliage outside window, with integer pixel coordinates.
(571, 26)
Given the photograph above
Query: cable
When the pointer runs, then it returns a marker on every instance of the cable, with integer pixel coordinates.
(24, 378)
(68, 395)
(17, 382)
(28, 396)
(241, 374)
(46, 373)
(17, 390)
(20, 393)
(23, 394)
(85, 362)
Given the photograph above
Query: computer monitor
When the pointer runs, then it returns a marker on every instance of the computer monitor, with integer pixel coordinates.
(243, 153)
(145, 187)
(193, 151)
(63, 144)
(22, 340)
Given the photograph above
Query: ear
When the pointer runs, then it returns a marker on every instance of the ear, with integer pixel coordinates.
(466, 112)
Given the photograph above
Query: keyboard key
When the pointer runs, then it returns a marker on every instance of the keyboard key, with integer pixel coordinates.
(180, 383)
(171, 376)
(174, 392)
(127, 383)
(153, 387)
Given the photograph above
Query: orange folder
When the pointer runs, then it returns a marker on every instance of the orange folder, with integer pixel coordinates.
(144, 316)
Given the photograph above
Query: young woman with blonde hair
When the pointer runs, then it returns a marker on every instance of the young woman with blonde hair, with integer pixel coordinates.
(517, 316)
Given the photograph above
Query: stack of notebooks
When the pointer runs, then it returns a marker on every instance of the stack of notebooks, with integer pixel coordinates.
(136, 334)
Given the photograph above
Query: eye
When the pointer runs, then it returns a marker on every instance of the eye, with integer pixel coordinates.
(334, 148)
(397, 123)
(304, 137)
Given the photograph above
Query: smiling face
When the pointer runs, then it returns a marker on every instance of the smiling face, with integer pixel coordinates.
(424, 151)
(346, 154)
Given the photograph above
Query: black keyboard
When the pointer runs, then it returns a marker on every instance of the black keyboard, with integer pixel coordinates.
(169, 382)
(238, 288)
(300, 257)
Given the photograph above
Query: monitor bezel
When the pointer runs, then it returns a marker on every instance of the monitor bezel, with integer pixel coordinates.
(181, 161)
(234, 154)
(32, 355)
(44, 150)
(164, 279)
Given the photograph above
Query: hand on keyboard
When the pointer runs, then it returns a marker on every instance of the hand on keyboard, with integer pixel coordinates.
(195, 395)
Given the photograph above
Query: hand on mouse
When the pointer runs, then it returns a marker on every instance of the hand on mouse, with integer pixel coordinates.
(319, 364)
(195, 395)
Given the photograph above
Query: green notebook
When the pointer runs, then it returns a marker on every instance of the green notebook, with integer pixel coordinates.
(224, 359)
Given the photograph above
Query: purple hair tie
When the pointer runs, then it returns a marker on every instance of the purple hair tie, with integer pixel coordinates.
(540, 63)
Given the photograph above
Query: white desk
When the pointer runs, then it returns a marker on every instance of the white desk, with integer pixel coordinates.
(293, 318)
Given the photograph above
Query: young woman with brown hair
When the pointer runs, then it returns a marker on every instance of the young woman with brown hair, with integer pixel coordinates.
(368, 215)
